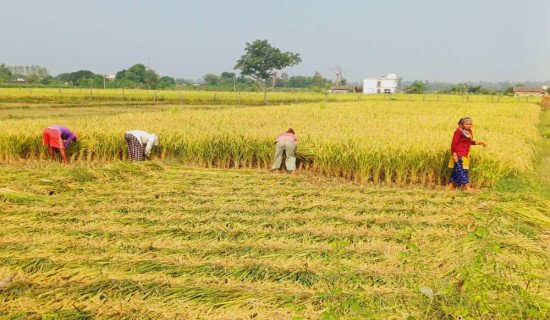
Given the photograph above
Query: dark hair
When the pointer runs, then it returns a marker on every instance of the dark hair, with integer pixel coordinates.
(290, 130)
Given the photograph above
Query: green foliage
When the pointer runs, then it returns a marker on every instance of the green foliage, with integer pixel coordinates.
(261, 60)
(5, 73)
(418, 86)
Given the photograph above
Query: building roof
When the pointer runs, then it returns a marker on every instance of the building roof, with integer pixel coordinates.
(528, 89)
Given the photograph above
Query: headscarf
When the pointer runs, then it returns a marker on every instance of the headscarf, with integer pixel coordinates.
(460, 126)
(156, 139)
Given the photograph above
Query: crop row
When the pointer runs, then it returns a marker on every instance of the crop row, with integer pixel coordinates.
(233, 98)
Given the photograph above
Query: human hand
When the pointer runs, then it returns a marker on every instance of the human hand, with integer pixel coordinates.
(455, 157)
(482, 144)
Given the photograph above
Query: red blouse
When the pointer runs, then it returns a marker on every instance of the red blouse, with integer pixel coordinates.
(461, 144)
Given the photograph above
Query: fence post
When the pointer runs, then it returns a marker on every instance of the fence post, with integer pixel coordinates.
(295, 99)
(214, 98)
(239, 98)
(265, 97)
(155, 97)
(91, 95)
(60, 95)
(181, 97)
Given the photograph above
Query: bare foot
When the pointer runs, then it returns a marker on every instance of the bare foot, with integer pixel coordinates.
(451, 186)
(277, 171)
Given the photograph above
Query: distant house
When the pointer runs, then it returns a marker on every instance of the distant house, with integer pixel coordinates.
(521, 91)
(19, 80)
(342, 89)
(384, 84)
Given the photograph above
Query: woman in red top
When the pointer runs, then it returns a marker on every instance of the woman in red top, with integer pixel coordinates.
(460, 147)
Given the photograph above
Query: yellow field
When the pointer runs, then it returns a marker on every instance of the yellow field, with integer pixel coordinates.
(163, 241)
(233, 98)
(380, 141)
(186, 236)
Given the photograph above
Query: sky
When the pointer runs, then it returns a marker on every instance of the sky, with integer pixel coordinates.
(433, 40)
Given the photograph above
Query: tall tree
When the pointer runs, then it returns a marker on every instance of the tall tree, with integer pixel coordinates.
(5, 72)
(136, 73)
(261, 61)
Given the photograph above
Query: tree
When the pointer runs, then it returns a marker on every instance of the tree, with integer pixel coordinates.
(77, 78)
(167, 82)
(261, 61)
(417, 86)
(5, 73)
(136, 73)
(210, 79)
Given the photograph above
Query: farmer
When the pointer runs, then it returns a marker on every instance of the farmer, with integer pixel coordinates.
(53, 138)
(140, 142)
(460, 147)
(285, 142)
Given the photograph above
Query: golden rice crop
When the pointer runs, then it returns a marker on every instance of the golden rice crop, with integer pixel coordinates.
(382, 141)
(233, 98)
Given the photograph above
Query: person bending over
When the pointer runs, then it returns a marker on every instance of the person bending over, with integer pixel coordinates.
(285, 142)
(139, 143)
(53, 138)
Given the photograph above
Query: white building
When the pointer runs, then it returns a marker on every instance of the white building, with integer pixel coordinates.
(387, 84)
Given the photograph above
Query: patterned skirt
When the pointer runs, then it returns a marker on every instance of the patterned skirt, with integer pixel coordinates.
(135, 148)
(460, 171)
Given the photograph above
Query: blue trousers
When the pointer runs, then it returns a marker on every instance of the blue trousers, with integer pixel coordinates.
(459, 175)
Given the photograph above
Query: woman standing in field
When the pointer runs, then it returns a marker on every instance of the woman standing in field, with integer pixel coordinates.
(53, 138)
(460, 147)
(285, 142)
(139, 143)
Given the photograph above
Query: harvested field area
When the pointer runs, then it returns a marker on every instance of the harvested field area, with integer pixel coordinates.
(162, 240)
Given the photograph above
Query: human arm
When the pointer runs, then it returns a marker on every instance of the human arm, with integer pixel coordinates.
(149, 146)
(455, 142)
(71, 137)
(479, 143)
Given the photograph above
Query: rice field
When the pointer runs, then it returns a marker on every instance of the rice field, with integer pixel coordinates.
(233, 98)
(162, 240)
(206, 231)
(391, 142)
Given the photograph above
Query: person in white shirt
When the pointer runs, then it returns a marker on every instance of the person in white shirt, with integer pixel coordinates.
(139, 143)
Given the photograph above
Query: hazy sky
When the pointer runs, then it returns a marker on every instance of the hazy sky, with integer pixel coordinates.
(435, 40)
